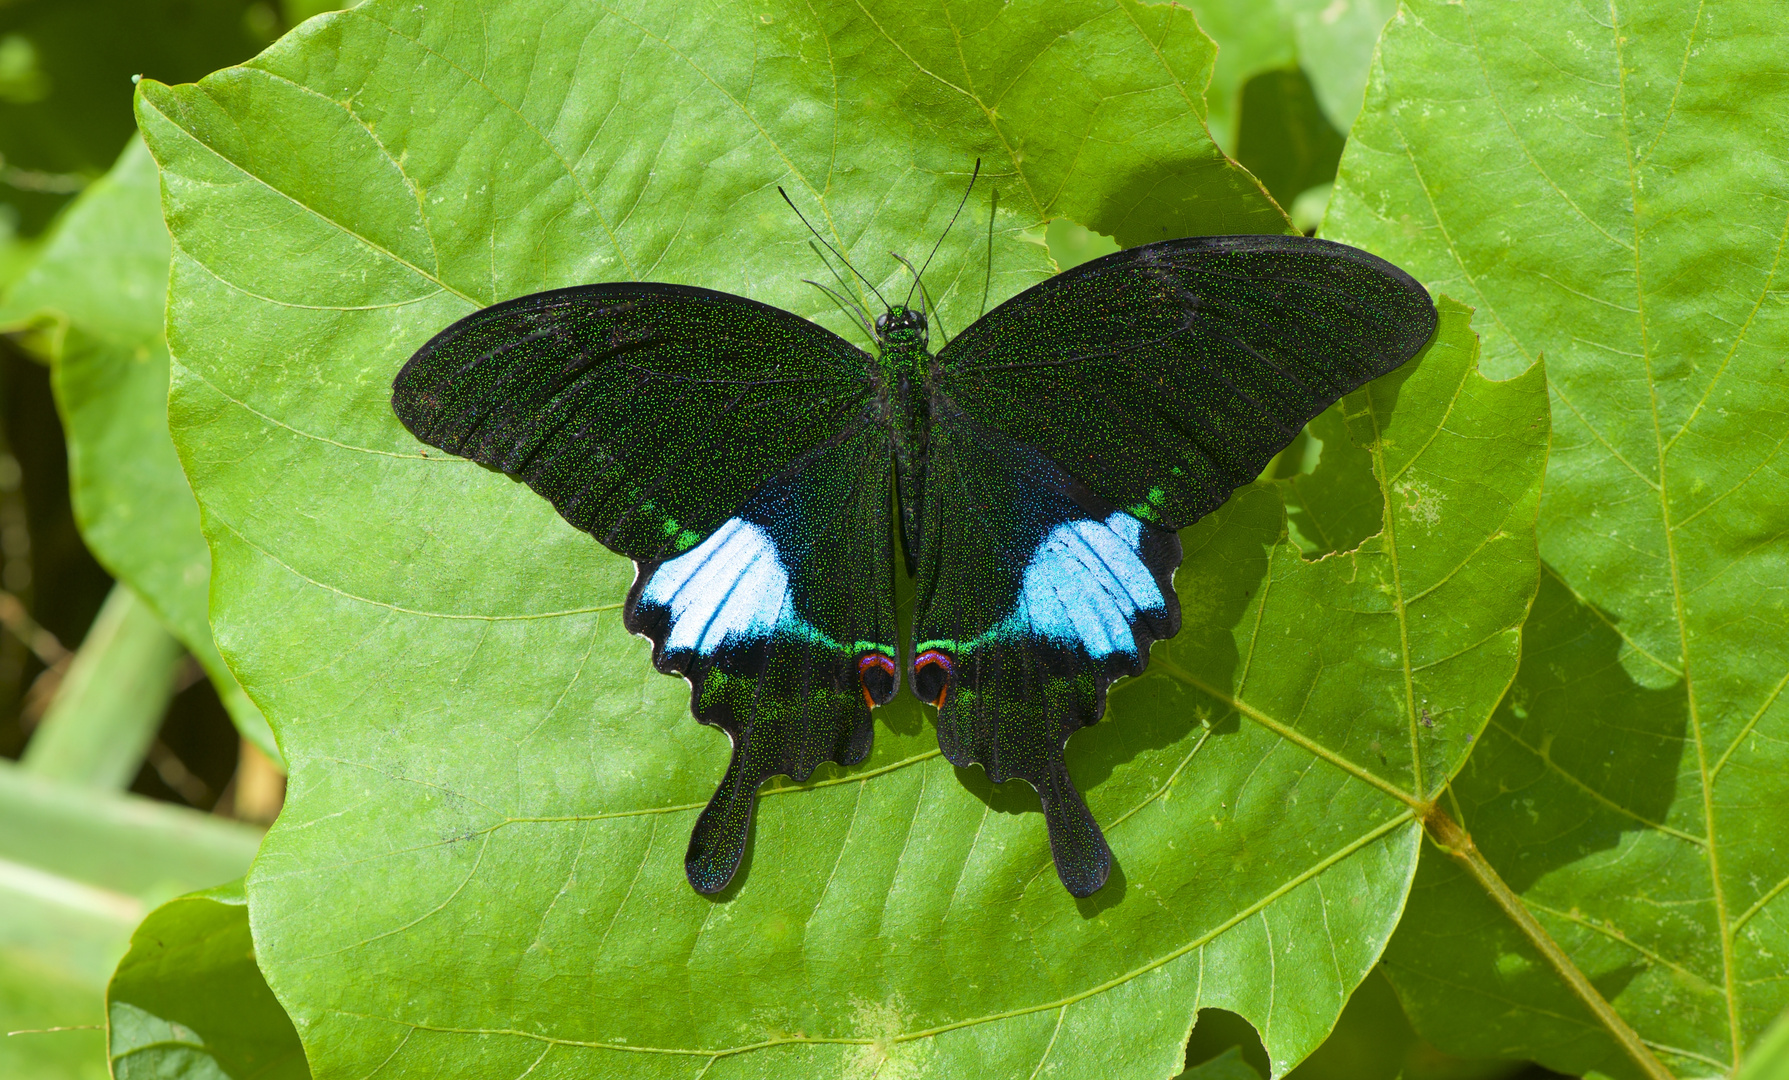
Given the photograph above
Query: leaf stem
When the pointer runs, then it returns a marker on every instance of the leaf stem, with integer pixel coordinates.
(1454, 840)
(103, 719)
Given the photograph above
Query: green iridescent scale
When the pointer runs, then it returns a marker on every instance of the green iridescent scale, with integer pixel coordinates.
(1041, 464)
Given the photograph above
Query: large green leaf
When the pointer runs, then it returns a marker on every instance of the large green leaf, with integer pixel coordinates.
(1769, 1057)
(1251, 38)
(1607, 187)
(1337, 504)
(188, 1000)
(479, 867)
(1283, 137)
(97, 294)
(1331, 40)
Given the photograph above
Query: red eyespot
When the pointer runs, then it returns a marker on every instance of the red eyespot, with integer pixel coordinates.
(932, 671)
(876, 674)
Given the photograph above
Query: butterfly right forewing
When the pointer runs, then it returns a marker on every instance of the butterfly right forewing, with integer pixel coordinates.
(1166, 376)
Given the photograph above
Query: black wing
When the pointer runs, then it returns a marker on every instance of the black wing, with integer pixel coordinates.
(783, 621)
(645, 413)
(1074, 428)
(1031, 595)
(741, 456)
(1166, 376)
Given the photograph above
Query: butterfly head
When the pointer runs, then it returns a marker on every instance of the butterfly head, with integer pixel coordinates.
(901, 328)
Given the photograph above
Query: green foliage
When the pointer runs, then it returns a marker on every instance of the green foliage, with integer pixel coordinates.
(1610, 196)
(492, 779)
(1282, 136)
(1250, 38)
(1336, 41)
(1331, 41)
(188, 1000)
(1228, 1065)
(479, 869)
(93, 301)
(65, 71)
(78, 869)
(55, 1022)
(1335, 504)
(1769, 1058)
(110, 701)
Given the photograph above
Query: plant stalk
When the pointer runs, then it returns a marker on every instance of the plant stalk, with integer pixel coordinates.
(110, 704)
(1454, 840)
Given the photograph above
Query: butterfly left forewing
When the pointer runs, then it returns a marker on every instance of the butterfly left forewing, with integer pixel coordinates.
(645, 412)
(740, 456)
(1032, 595)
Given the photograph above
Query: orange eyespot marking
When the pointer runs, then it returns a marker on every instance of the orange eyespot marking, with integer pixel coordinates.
(876, 676)
(932, 669)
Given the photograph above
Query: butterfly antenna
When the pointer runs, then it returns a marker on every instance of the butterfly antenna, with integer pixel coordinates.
(953, 220)
(829, 247)
(843, 287)
(988, 281)
(927, 308)
(850, 312)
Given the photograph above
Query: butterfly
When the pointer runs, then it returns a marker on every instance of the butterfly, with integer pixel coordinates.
(1037, 467)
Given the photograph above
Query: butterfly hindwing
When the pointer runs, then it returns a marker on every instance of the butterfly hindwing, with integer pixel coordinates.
(1164, 377)
(1032, 595)
(646, 413)
(783, 622)
(741, 457)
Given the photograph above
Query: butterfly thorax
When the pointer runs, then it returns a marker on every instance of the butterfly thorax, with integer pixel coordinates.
(901, 337)
(905, 359)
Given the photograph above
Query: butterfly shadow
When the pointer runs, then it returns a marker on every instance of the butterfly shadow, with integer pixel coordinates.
(1153, 718)
(1017, 797)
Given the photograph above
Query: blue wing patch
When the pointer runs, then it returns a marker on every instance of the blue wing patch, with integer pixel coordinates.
(782, 619)
(1085, 585)
(730, 589)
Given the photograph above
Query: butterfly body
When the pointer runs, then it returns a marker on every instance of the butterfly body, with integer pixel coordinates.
(1041, 462)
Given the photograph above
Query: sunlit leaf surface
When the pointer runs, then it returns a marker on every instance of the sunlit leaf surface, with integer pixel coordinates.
(479, 868)
(1606, 186)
